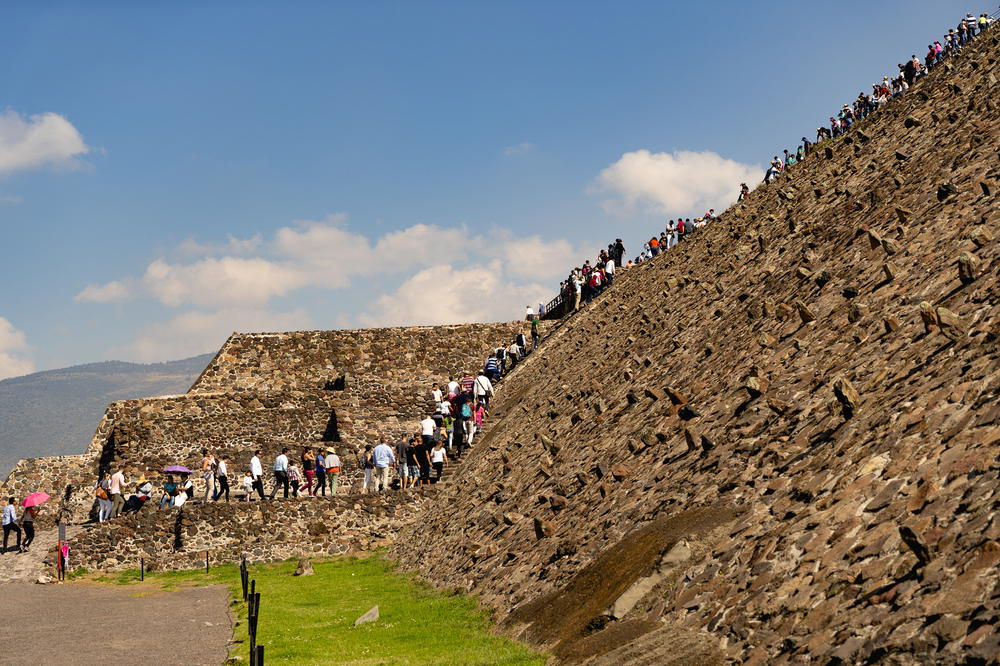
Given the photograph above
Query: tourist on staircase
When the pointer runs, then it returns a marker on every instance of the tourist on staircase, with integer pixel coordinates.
(309, 467)
(102, 491)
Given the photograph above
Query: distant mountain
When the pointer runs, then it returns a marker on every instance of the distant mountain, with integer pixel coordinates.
(55, 412)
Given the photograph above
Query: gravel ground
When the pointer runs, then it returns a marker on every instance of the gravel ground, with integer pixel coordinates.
(89, 624)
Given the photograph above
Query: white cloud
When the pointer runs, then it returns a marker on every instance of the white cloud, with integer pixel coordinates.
(11, 200)
(197, 332)
(674, 183)
(519, 149)
(533, 257)
(445, 295)
(220, 282)
(13, 347)
(45, 139)
(111, 292)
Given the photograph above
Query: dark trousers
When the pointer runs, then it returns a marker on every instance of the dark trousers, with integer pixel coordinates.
(438, 469)
(280, 479)
(7, 529)
(258, 485)
(29, 532)
(223, 488)
(321, 482)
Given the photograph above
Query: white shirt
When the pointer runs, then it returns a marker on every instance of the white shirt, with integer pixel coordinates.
(427, 426)
(529, 313)
(223, 468)
(609, 266)
(255, 468)
(452, 387)
(117, 481)
(247, 483)
(436, 394)
(444, 408)
(437, 455)
(483, 386)
(332, 460)
(281, 463)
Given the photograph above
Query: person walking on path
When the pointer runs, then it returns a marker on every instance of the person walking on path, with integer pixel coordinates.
(222, 474)
(28, 525)
(257, 474)
(208, 474)
(102, 490)
(384, 460)
(118, 484)
(402, 471)
(332, 464)
(281, 473)
(309, 467)
(535, 334)
(10, 525)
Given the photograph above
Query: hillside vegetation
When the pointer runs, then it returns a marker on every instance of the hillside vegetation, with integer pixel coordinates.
(778, 441)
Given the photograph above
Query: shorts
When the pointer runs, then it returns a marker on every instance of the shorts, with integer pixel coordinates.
(403, 470)
(414, 471)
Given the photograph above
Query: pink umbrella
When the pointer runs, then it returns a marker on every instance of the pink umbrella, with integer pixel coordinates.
(34, 499)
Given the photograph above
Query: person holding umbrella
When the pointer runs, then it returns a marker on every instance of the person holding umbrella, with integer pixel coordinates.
(31, 504)
(10, 525)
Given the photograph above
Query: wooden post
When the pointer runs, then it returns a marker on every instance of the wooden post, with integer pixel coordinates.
(142, 568)
(260, 656)
(206, 561)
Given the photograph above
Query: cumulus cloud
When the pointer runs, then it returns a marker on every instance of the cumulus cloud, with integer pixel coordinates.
(32, 142)
(678, 182)
(519, 149)
(446, 295)
(14, 348)
(111, 292)
(220, 282)
(533, 257)
(198, 332)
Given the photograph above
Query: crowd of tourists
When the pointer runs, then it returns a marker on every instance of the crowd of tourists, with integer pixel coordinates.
(460, 410)
(588, 281)
(882, 91)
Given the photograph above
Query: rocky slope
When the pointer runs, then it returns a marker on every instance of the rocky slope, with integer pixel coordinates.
(779, 441)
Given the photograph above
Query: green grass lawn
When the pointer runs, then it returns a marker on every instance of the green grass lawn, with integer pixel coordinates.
(309, 619)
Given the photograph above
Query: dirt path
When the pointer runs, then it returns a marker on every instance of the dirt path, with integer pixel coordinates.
(92, 624)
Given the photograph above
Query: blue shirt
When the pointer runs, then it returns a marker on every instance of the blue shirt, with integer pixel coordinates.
(281, 463)
(9, 514)
(383, 455)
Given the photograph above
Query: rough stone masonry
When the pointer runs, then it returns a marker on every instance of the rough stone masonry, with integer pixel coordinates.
(806, 395)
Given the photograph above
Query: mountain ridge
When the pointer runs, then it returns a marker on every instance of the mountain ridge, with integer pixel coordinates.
(54, 412)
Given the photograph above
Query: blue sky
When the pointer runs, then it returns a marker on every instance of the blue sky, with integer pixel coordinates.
(170, 172)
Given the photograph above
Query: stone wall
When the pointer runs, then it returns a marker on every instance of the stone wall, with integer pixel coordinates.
(392, 360)
(261, 531)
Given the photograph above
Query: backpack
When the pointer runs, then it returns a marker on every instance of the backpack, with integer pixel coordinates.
(466, 411)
